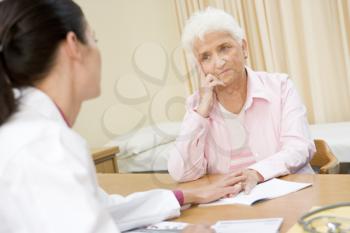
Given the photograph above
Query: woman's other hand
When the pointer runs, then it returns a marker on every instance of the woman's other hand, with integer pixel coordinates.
(227, 186)
(250, 178)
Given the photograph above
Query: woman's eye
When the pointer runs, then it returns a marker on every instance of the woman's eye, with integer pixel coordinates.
(205, 58)
(225, 47)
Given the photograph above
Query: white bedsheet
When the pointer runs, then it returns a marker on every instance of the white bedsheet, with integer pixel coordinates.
(146, 149)
(337, 136)
(155, 159)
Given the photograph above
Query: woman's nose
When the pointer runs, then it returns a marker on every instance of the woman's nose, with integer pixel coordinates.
(219, 61)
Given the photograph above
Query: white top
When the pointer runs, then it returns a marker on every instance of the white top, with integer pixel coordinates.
(241, 154)
(48, 181)
(235, 126)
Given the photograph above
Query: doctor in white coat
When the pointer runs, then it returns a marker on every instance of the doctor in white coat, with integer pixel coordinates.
(49, 65)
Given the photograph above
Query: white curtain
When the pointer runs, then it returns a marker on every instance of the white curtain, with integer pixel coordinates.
(308, 39)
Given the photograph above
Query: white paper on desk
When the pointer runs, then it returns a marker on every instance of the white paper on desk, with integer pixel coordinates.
(165, 227)
(267, 225)
(267, 190)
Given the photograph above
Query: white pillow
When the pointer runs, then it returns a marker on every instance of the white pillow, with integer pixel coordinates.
(146, 138)
(155, 159)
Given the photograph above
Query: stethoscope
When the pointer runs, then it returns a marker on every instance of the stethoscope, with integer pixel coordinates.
(332, 224)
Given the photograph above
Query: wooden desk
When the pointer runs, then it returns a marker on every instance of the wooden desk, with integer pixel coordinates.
(326, 189)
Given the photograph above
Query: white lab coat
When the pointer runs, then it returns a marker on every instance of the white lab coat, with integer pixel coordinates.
(48, 182)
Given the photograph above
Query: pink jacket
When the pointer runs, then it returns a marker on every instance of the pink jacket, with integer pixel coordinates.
(277, 132)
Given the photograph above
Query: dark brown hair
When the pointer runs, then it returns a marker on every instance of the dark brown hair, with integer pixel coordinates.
(30, 33)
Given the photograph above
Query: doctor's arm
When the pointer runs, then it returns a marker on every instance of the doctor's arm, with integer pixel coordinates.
(52, 189)
(144, 208)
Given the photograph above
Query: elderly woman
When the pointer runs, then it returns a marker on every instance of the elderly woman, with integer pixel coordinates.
(49, 65)
(247, 123)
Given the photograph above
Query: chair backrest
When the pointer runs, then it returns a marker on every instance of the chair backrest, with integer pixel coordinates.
(324, 160)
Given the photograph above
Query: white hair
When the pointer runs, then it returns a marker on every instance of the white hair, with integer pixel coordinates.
(209, 20)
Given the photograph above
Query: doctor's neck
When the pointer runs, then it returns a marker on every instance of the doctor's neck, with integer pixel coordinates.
(61, 91)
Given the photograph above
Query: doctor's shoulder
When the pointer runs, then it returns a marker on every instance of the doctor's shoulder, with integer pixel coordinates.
(39, 137)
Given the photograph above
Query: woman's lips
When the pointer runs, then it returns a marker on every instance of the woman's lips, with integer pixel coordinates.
(224, 72)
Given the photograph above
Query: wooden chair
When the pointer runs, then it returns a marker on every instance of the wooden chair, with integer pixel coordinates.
(105, 159)
(324, 161)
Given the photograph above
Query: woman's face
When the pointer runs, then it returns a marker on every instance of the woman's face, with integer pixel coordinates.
(219, 54)
(91, 62)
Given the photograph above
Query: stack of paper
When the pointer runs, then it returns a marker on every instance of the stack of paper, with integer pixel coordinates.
(267, 225)
(267, 190)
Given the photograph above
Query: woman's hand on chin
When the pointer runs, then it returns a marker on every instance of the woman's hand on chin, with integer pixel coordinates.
(207, 92)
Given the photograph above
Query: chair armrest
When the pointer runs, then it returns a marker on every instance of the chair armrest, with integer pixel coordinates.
(332, 167)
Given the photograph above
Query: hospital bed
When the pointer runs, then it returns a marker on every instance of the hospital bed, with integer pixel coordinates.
(147, 149)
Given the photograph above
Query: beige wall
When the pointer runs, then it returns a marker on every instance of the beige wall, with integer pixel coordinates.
(140, 74)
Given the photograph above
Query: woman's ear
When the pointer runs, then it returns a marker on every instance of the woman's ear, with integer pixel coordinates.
(73, 46)
(245, 48)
